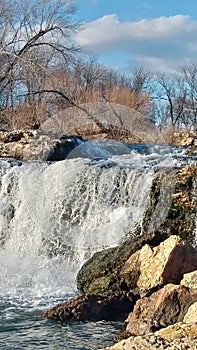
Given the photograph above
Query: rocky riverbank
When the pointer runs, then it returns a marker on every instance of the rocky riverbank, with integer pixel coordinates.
(42, 145)
(157, 294)
(35, 145)
(149, 281)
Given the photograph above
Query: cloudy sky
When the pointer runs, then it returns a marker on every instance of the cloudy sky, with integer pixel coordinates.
(154, 34)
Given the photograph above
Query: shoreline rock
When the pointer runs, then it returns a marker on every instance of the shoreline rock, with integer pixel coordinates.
(112, 307)
(180, 336)
(34, 145)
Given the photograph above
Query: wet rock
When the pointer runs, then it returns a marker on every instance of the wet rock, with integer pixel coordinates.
(173, 203)
(157, 266)
(93, 308)
(163, 308)
(66, 147)
(192, 150)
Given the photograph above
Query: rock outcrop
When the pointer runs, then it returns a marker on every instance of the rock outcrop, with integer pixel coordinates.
(33, 145)
(180, 336)
(93, 308)
(104, 120)
(102, 273)
(164, 307)
(166, 263)
(173, 203)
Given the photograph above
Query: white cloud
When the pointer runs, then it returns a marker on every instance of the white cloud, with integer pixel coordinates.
(163, 41)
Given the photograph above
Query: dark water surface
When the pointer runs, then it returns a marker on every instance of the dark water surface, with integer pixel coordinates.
(31, 331)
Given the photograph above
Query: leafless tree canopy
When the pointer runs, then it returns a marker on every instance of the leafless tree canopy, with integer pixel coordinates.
(42, 72)
(34, 35)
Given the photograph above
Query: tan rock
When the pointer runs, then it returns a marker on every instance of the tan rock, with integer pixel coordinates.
(187, 141)
(178, 330)
(176, 337)
(190, 279)
(160, 265)
(191, 315)
(163, 308)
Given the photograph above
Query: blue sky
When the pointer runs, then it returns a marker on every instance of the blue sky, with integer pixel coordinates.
(153, 34)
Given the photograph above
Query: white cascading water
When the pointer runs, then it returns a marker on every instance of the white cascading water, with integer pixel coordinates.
(55, 216)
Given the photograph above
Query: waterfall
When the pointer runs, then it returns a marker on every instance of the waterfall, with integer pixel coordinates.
(71, 208)
(55, 215)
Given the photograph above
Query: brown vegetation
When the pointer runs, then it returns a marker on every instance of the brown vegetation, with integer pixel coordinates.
(42, 73)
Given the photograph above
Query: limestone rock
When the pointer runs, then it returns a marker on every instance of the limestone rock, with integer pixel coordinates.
(191, 315)
(190, 279)
(34, 145)
(179, 330)
(96, 118)
(92, 308)
(167, 306)
(182, 139)
(160, 265)
(101, 273)
(180, 336)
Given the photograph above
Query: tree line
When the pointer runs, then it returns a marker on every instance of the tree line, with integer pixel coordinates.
(42, 72)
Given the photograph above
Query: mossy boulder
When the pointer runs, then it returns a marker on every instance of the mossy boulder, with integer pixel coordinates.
(173, 203)
(101, 273)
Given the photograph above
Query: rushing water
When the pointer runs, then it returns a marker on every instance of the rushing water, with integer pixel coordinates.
(53, 217)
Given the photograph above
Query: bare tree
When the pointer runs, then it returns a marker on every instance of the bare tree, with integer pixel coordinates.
(34, 35)
(171, 94)
(189, 73)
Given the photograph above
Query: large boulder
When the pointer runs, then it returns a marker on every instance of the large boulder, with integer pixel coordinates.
(98, 118)
(93, 308)
(101, 273)
(140, 265)
(157, 266)
(163, 308)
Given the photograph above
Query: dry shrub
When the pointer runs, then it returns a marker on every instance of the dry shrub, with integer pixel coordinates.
(169, 136)
(25, 116)
(124, 96)
(90, 95)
